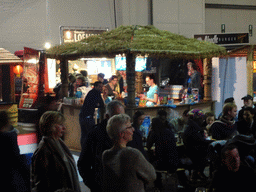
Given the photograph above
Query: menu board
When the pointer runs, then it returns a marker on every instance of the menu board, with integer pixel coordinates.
(30, 80)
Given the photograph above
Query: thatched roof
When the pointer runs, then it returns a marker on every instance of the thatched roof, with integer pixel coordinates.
(139, 40)
(8, 58)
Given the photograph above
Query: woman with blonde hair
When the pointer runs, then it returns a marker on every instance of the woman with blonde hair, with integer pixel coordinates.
(53, 166)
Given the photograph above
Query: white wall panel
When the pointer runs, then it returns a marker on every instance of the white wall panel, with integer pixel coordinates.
(188, 29)
(191, 11)
(213, 21)
(166, 11)
(174, 28)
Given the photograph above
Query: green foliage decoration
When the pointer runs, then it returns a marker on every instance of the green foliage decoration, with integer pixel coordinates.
(139, 40)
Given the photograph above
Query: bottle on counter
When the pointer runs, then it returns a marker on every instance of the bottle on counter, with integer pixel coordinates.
(145, 91)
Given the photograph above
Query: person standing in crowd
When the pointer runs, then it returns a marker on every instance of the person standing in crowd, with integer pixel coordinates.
(179, 124)
(228, 100)
(166, 154)
(196, 143)
(226, 127)
(90, 159)
(80, 87)
(247, 126)
(195, 78)
(120, 85)
(48, 103)
(111, 87)
(124, 168)
(153, 92)
(15, 174)
(71, 85)
(53, 166)
(248, 102)
(101, 78)
(85, 75)
(137, 142)
(162, 115)
(86, 116)
(234, 174)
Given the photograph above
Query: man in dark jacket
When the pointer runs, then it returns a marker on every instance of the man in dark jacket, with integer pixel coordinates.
(196, 143)
(90, 160)
(226, 127)
(86, 116)
(248, 102)
(235, 174)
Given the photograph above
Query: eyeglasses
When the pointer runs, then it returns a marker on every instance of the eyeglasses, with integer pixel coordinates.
(131, 127)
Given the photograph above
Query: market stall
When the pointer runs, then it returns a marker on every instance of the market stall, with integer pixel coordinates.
(133, 41)
(10, 67)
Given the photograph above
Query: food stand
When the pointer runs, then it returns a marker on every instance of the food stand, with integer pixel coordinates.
(133, 41)
(10, 66)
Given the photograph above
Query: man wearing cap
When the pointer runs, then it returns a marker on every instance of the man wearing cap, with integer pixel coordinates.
(248, 102)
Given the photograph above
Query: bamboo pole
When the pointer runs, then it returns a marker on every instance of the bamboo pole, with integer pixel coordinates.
(207, 79)
(249, 66)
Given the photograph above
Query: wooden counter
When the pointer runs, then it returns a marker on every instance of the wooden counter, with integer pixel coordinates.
(73, 131)
(205, 106)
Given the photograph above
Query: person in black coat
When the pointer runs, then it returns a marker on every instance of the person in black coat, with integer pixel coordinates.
(248, 102)
(196, 143)
(247, 126)
(15, 172)
(226, 127)
(234, 174)
(137, 142)
(97, 141)
(166, 154)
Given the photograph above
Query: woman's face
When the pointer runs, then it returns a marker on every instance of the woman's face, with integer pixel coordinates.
(248, 116)
(149, 81)
(128, 131)
(210, 120)
(79, 82)
(141, 119)
(59, 130)
(114, 81)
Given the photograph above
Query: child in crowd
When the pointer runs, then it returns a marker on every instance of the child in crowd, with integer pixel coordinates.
(209, 119)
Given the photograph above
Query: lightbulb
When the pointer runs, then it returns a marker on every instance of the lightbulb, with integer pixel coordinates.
(47, 45)
(68, 35)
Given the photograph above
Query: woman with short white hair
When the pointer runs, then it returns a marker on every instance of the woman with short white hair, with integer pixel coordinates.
(124, 168)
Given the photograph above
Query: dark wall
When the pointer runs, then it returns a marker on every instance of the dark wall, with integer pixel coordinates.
(6, 90)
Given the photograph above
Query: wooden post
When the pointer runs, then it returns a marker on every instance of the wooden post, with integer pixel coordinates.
(207, 79)
(130, 79)
(139, 82)
(64, 77)
(250, 58)
(12, 84)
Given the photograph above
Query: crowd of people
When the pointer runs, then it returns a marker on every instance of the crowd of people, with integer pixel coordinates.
(115, 156)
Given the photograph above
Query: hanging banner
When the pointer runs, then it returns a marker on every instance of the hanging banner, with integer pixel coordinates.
(224, 38)
(30, 80)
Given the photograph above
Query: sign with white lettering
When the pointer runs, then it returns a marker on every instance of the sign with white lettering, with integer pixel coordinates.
(75, 34)
(224, 38)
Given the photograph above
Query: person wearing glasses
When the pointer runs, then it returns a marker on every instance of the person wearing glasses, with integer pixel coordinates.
(124, 168)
